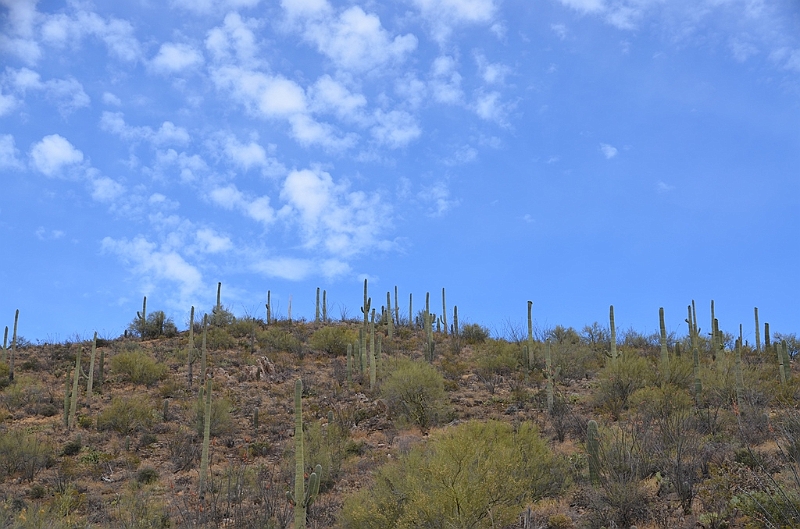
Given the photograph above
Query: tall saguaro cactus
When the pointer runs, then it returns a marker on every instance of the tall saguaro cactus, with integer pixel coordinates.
(664, 351)
(206, 437)
(73, 405)
(739, 379)
(13, 347)
(143, 317)
(190, 351)
(758, 331)
(269, 307)
(550, 373)
(531, 358)
(303, 496)
(367, 303)
(90, 381)
(613, 335)
(444, 312)
(389, 316)
(593, 449)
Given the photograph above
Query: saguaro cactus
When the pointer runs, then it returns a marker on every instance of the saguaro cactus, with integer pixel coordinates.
(531, 356)
(5, 343)
(613, 335)
(269, 308)
(593, 449)
(389, 315)
(550, 374)
(758, 331)
(303, 496)
(13, 347)
(366, 306)
(90, 378)
(664, 351)
(444, 313)
(143, 318)
(203, 354)
(316, 312)
(206, 437)
(324, 306)
(455, 321)
(739, 379)
(190, 351)
(372, 359)
(73, 406)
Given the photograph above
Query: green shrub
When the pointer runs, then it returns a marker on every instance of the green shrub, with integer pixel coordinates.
(217, 338)
(157, 325)
(22, 452)
(472, 475)
(275, 339)
(620, 380)
(127, 415)
(221, 419)
(327, 445)
(496, 358)
(138, 367)
(415, 392)
(146, 475)
(333, 339)
(473, 333)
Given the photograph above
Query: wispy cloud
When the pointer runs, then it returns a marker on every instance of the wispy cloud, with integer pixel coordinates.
(662, 187)
(174, 57)
(609, 151)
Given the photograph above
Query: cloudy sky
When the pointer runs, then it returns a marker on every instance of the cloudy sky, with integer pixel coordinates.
(577, 153)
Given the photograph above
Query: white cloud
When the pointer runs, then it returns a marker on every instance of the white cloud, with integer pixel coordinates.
(156, 265)
(276, 97)
(118, 35)
(53, 153)
(333, 268)
(584, 6)
(306, 8)
(560, 30)
(662, 187)
(18, 37)
(111, 99)
(329, 95)
(234, 37)
(211, 242)
(213, 6)
(44, 235)
(445, 83)
(191, 166)
(437, 197)
(67, 94)
(167, 134)
(174, 57)
(258, 209)
(463, 155)
(492, 73)
(105, 189)
(250, 155)
(396, 128)
(443, 15)
(285, 268)
(609, 151)
(8, 153)
(488, 106)
(341, 222)
(356, 40)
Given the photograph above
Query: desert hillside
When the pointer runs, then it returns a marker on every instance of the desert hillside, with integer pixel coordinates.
(421, 423)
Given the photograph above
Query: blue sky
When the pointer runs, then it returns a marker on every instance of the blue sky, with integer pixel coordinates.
(577, 153)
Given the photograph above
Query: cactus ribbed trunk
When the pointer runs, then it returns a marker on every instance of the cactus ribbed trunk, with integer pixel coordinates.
(366, 306)
(5, 344)
(739, 378)
(613, 335)
(410, 310)
(206, 437)
(389, 316)
(90, 381)
(455, 321)
(758, 331)
(593, 449)
(548, 362)
(190, 352)
(531, 356)
(664, 351)
(299, 464)
(203, 350)
(316, 312)
(444, 312)
(396, 308)
(269, 307)
(73, 405)
(13, 347)
(324, 306)
(372, 359)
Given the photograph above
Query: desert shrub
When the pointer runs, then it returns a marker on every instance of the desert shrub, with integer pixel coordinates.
(146, 475)
(619, 380)
(221, 317)
(333, 339)
(275, 339)
(24, 453)
(472, 333)
(414, 391)
(243, 327)
(138, 367)
(221, 419)
(497, 357)
(4, 372)
(156, 325)
(327, 445)
(127, 414)
(183, 448)
(471, 475)
(27, 393)
(218, 338)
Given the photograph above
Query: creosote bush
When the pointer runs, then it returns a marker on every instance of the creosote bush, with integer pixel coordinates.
(414, 392)
(333, 339)
(221, 419)
(127, 415)
(138, 367)
(22, 453)
(472, 475)
(156, 325)
(473, 333)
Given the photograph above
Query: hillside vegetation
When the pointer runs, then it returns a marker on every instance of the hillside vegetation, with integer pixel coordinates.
(411, 422)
